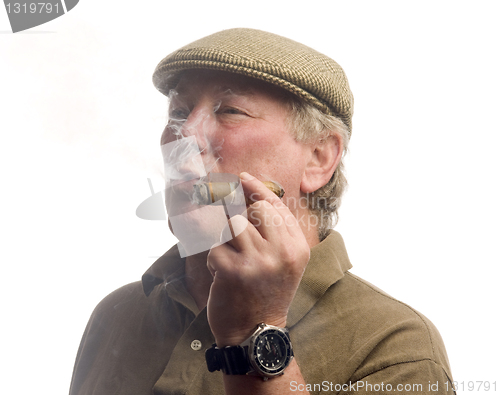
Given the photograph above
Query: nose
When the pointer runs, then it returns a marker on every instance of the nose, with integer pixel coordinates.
(199, 122)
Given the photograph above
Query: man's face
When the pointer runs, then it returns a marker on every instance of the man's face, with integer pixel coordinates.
(239, 125)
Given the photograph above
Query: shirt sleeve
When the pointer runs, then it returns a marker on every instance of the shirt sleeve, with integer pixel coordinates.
(416, 377)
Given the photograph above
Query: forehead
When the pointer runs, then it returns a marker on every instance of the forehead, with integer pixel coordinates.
(197, 82)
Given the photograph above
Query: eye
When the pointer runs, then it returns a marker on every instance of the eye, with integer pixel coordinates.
(231, 111)
(178, 114)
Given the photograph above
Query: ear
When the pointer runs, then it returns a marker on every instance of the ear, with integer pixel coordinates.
(325, 156)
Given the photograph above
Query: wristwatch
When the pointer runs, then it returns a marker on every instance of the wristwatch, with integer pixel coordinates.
(267, 352)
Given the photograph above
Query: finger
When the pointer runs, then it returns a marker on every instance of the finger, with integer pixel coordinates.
(255, 190)
(224, 260)
(290, 222)
(262, 215)
(218, 258)
(240, 234)
(267, 220)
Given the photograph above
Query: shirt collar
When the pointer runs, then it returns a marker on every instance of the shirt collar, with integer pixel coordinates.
(327, 264)
(162, 270)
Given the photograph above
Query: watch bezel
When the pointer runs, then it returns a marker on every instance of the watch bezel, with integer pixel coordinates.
(262, 331)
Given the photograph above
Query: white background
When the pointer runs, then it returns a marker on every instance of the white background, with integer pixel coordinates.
(80, 124)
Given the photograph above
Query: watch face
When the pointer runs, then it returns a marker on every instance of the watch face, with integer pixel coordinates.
(272, 351)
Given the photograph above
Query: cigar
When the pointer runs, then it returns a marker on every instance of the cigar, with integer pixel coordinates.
(210, 192)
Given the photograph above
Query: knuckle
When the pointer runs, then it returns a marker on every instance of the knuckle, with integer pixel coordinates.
(295, 254)
(239, 224)
(261, 204)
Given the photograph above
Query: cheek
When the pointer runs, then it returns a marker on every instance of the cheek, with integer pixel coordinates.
(260, 156)
(246, 153)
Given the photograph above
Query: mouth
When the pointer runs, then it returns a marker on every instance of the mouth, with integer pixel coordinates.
(184, 189)
(179, 197)
(182, 175)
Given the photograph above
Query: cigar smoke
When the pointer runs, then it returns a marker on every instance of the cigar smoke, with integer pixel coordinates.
(194, 150)
(190, 154)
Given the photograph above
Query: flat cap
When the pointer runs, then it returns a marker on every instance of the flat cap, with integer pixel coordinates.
(288, 64)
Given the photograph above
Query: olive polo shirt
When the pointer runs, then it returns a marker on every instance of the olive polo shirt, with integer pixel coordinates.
(348, 336)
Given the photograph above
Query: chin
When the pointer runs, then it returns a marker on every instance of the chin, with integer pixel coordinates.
(198, 229)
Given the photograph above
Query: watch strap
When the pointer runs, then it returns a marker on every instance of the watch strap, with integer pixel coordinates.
(231, 359)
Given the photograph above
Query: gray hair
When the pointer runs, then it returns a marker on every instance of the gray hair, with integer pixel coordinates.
(309, 124)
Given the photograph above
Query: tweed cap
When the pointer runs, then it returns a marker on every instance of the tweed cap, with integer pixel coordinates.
(288, 64)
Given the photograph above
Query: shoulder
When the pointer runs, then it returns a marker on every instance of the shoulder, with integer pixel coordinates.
(126, 293)
(393, 333)
(118, 307)
(359, 330)
(373, 304)
(392, 318)
(130, 293)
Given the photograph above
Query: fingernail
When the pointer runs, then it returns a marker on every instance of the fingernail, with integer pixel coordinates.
(245, 176)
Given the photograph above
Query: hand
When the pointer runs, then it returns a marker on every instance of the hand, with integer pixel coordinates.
(256, 274)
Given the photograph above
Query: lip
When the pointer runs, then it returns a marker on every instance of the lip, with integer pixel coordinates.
(181, 191)
(183, 188)
(179, 176)
(179, 197)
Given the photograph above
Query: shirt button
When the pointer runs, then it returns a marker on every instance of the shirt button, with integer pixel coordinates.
(196, 345)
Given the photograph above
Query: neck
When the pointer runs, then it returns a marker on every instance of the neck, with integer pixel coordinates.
(198, 278)
(308, 224)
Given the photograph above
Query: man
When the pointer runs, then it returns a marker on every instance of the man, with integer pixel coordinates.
(256, 298)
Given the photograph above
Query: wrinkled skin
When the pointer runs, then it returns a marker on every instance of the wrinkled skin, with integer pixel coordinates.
(240, 126)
